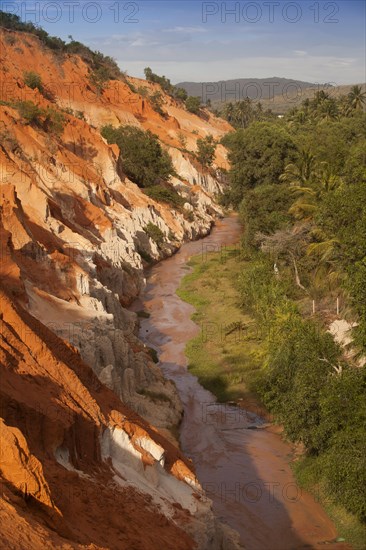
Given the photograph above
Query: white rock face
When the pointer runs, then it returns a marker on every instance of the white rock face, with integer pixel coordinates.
(341, 330)
(108, 255)
(165, 489)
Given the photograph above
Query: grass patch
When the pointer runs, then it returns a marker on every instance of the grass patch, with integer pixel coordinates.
(226, 354)
(347, 525)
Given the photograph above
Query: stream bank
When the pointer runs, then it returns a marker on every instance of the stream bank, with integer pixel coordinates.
(246, 472)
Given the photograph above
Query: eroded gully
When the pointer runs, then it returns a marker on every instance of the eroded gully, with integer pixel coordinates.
(245, 472)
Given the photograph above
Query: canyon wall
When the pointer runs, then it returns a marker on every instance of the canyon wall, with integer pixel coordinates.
(81, 465)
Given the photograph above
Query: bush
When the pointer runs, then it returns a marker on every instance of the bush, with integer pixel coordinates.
(49, 119)
(193, 104)
(99, 78)
(143, 159)
(258, 156)
(180, 94)
(206, 148)
(29, 111)
(10, 39)
(156, 101)
(54, 121)
(298, 367)
(177, 93)
(33, 81)
(80, 115)
(155, 233)
(261, 292)
(265, 209)
(164, 82)
(168, 195)
(341, 462)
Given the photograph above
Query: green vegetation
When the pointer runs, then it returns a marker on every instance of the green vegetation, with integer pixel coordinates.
(29, 111)
(33, 81)
(54, 121)
(143, 159)
(206, 148)
(102, 67)
(156, 100)
(155, 233)
(165, 194)
(193, 105)
(166, 85)
(99, 78)
(142, 314)
(299, 184)
(225, 355)
(242, 113)
(156, 397)
(48, 119)
(258, 156)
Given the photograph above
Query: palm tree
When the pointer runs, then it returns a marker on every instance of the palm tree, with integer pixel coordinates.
(243, 112)
(321, 96)
(229, 111)
(328, 110)
(327, 179)
(357, 97)
(344, 106)
(327, 253)
(300, 174)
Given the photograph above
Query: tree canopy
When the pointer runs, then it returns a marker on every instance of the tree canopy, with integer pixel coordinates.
(143, 159)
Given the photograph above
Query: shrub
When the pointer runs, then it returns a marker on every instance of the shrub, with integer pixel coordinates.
(143, 159)
(155, 233)
(143, 91)
(193, 104)
(180, 94)
(54, 120)
(182, 139)
(168, 195)
(258, 156)
(156, 101)
(10, 39)
(29, 111)
(206, 148)
(33, 80)
(80, 115)
(164, 82)
(188, 215)
(265, 209)
(99, 78)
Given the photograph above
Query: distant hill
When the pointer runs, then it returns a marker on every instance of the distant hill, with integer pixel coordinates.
(278, 94)
(259, 89)
(282, 103)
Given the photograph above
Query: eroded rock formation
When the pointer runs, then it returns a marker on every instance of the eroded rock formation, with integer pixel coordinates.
(81, 466)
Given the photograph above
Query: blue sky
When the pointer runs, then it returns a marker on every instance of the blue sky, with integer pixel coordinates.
(318, 42)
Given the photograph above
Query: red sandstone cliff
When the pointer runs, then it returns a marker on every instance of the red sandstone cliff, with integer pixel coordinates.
(80, 464)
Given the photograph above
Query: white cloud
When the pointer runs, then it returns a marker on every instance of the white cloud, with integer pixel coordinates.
(189, 30)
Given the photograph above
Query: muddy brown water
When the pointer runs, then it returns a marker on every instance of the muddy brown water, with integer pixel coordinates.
(244, 467)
